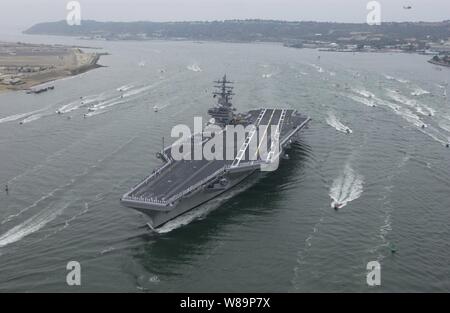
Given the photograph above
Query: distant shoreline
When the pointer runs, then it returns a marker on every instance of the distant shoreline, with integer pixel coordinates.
(408, 35)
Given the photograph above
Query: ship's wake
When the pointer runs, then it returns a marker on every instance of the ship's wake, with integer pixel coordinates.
(346, 188)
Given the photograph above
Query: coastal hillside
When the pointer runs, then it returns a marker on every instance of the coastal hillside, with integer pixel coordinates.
(251, 30)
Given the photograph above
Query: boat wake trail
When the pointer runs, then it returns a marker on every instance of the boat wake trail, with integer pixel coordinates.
(67, 222)
(37, 167)
(136, 91)
(400, 80)
(30, 226)
(167, 103)
(445, 125)
(300, 74)
(47, 215)
(335, 123)
(16, 117)
(436, 135)
(83, 102)
(318, 68)
(303, 254)
(364, 93)
(125, 87)
(132, 94)
(346, 188)
(102, 103)
(33, 118)
(194, 68)
(366, 100)
(387, 209)
(414, 119)
(100, 108)
(420, 108)
(419, 92)
(405, 113)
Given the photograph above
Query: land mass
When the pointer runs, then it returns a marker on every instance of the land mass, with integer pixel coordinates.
(23, 66)
(409, 36)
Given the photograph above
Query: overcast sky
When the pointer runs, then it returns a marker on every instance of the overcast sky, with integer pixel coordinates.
(20, 14)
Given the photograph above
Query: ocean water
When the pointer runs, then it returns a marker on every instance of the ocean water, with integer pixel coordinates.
(278, 233)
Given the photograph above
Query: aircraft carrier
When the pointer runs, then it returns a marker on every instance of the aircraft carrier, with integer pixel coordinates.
(182, 184)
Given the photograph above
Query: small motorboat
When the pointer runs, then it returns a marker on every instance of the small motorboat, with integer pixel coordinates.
(155, 108)
(336, 205)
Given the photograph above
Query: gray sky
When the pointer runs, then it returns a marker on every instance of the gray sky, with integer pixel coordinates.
(20, 14)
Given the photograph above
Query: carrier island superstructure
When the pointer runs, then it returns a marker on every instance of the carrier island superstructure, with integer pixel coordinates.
(181, 185)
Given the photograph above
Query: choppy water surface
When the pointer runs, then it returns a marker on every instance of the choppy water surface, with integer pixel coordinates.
(376, 145)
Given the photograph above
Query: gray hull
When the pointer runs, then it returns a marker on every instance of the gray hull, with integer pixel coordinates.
(196, 199)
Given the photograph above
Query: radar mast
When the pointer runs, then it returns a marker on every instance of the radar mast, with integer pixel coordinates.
(223, 110)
